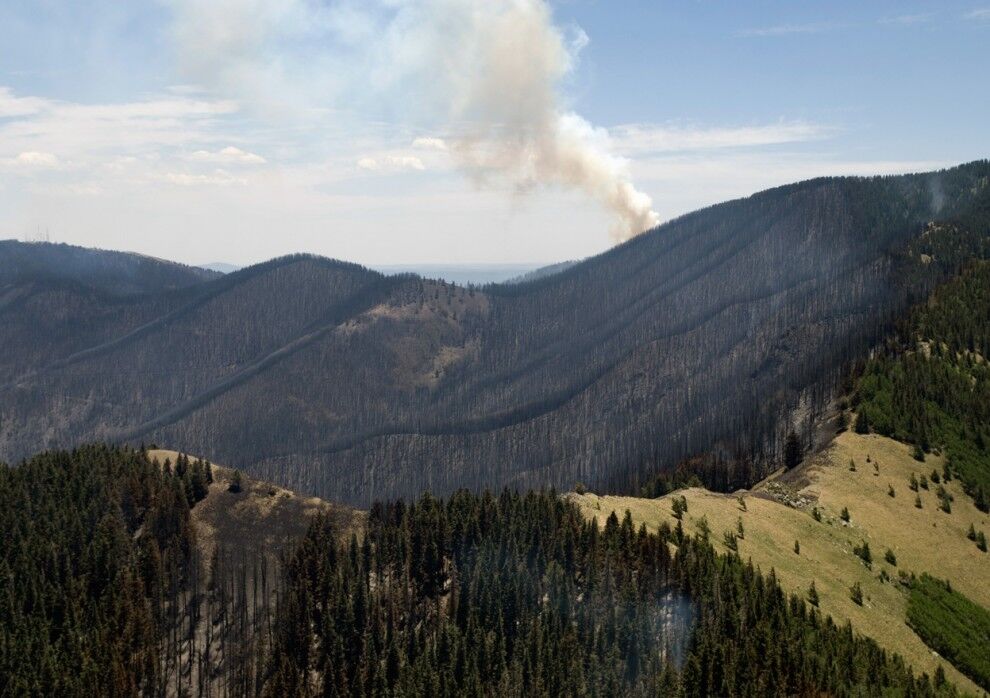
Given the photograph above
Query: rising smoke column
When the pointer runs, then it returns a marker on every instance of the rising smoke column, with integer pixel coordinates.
(487, 74)
(506, 120)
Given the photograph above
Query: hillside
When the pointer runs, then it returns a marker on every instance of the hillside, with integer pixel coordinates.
(109, 591)
(715, 331)
(930, 382)
(140, 573)
(518, 595)
(259, 520)
(778, 512)
(113, 273)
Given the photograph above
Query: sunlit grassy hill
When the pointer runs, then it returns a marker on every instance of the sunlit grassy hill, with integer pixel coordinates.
(779, 511)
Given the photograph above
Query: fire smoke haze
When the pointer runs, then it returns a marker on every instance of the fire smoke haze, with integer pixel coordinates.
(482, 80)
(393, 132)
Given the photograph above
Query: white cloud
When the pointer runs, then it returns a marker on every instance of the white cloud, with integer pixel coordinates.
(11, 105)
(405, 162)
(88, 132)
(35, 159)
(980, 14)
(907, 20)
(216, 178)
(429, 143)
(788, 29)
(390, 163)
(230, 154)
(640, 139)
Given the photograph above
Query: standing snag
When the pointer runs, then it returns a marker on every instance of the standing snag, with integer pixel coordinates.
(792, 451)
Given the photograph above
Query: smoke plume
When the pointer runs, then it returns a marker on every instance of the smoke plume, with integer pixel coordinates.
(487, 75)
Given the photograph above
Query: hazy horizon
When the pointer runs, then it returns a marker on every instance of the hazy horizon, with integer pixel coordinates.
(407, 133)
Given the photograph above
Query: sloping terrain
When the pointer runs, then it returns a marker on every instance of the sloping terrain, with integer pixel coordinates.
(258, 520)
(241, 536)
(329, 378)
(115, 273)
(130, 573)
(779, 512)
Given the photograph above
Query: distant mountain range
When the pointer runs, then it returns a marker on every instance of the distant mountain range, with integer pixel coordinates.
(724, 329)
(221, 267)
(462, 274)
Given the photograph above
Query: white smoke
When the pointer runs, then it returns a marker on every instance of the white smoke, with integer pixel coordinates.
(486, 74)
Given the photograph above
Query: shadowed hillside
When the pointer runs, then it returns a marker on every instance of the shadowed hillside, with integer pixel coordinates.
(719, 329)
(115, 273)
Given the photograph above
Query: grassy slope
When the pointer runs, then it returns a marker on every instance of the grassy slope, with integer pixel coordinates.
(925, 540)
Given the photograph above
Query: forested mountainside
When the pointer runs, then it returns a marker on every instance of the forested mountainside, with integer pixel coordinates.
(125, 572)
(719, 330)
(519, 595)
(97, 546)
(930, 383)
(113, 273)
(543, 272)
(514, 595)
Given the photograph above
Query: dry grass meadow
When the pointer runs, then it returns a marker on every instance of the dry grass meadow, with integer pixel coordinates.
(924, 540)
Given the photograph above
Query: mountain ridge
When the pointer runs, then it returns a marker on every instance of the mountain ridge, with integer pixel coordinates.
(526, 384)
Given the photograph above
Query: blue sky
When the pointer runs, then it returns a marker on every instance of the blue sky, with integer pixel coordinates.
(243, 129)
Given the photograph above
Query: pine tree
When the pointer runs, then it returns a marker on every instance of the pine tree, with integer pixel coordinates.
(981, 499)
(856, 594)
(864, 554)
(813, 595)
(862, 425)
(890, 557)
(704, 530)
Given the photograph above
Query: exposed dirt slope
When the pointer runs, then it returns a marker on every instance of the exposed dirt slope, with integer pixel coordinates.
(261, 519)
